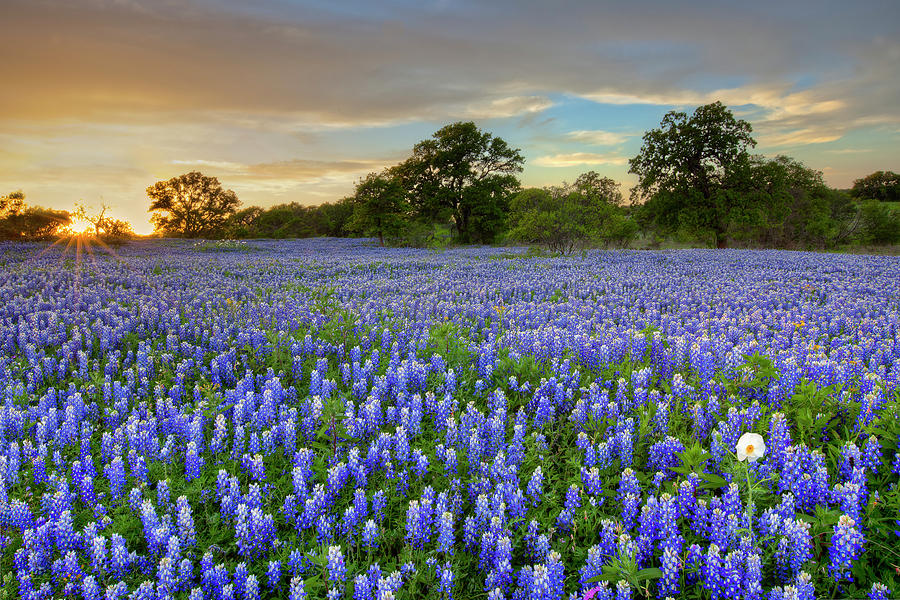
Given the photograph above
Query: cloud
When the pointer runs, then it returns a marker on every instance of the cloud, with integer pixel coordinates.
(511, 106)
(800, 137)
(297, 170)
(598, 137)
(217, 164)
(243, 84)
(580, 158)
(672, 98)
(849, 151)
(367, 65)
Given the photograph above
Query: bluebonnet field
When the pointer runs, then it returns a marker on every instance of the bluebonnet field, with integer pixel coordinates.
(326, 419)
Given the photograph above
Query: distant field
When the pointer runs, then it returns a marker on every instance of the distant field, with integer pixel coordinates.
(325, 418)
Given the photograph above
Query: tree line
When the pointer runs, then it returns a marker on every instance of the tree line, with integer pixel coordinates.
(20, 221)
(698, 182)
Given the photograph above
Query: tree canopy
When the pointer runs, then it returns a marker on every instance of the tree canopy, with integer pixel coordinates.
(18, 221)
(883, 186)
(379, 206)
(191, 205)
(464, 174)
(683, 167)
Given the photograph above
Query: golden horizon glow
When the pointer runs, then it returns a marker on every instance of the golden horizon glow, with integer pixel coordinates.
(79, 227)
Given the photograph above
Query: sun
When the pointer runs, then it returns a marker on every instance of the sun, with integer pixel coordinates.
(80, 226)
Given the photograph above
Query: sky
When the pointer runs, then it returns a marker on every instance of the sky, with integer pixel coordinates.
(290, 101)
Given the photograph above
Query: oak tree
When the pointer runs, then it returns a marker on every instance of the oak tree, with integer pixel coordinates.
(191, 205)
(683, 167)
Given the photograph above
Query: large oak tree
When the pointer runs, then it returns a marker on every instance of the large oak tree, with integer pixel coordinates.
(191, 205)
(684, 165)
(464, 174)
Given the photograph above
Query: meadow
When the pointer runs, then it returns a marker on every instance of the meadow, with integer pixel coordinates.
(327, 419)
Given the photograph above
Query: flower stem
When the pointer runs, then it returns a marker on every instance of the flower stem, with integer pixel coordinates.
(749, 502)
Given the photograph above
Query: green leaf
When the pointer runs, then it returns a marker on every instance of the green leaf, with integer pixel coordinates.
(713, 480)
(650, 573)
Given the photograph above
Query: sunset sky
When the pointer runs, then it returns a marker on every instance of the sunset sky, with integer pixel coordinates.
(293, 101)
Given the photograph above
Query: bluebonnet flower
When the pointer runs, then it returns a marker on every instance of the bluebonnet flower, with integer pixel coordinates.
(337, 571)
(592, 481)
(879, 591)
(535, 486)
(163, 497)
(846, 546)
(669, 584)
(445, 533)
(192, 462)
(90, 590)
(446, 581)
(871, 457)
(593, 566)
(185, 521)
(623, 590)
(752, 583)
(273, 574)
(630, 505)
(628, 484)
(804, 587)
(362, 587)
(298, 590)
(251, 588)
(711, 570)
(115, 473)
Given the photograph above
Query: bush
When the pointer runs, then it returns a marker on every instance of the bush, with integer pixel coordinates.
(880, 223)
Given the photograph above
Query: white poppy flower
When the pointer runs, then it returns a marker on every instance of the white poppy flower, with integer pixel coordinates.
(750, 447)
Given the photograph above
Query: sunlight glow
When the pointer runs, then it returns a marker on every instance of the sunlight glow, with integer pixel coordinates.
(79, 226)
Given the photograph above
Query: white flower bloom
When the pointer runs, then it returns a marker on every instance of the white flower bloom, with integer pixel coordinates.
(750, 447)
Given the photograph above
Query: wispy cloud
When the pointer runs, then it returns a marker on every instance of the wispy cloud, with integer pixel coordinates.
(574, 159)
(599, 137)
(849, 151)
(512, 106)
(800, 137)
(216, 164)
(297, 170)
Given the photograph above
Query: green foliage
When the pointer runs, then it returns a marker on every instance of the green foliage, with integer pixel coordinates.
(570, 217)
(563, 226)
(106, 228)
(756, 201)
(782, 203)
(291, 221)
(220, 246)
(463, 174)
(814, 410)
(380, 207)
(879, 223)
(12, 203)
(685, 164)
(448, 340)
(883, 186)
